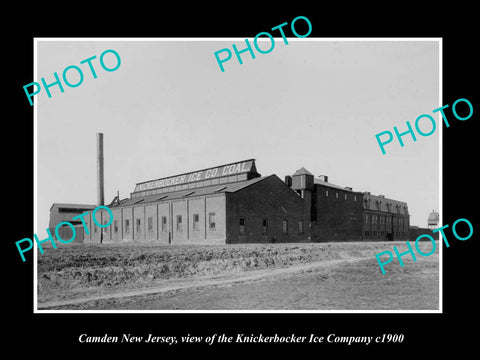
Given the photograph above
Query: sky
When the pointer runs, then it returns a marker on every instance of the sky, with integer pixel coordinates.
(169, 109)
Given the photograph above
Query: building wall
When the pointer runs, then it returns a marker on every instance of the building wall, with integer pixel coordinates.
(127, 223)
(69, 211)
(180, 229)
(164, 229)
(216, 205)
(151, 222)
(268, 200)
(197, 225)
(339, 214)
(379, 225)
(145, 222)
(414, 233)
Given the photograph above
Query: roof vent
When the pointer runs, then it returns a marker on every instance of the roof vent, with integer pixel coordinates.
(323, 178)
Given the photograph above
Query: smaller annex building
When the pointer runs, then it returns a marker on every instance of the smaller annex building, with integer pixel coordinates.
(65, 212)
(230, 203)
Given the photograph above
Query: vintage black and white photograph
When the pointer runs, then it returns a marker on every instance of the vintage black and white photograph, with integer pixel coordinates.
(209, 175)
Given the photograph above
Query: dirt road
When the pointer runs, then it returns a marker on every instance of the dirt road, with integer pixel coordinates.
(341, 284)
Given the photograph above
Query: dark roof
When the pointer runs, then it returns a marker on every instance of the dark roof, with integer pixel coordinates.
(326, 183)
(302, 171)
(381, 203)
(73, 206)
(208, 190)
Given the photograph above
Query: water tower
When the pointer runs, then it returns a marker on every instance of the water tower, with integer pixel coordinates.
(433, 220)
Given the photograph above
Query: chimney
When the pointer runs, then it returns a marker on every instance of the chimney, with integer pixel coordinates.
(323, 178)
(100, 189)
(288, 180)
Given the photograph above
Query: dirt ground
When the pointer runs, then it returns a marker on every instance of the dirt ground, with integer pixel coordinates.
(326, 276)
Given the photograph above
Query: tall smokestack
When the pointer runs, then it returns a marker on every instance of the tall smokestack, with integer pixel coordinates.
(100, 190)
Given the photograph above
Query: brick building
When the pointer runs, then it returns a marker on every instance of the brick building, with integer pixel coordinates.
(65, 212)
(385, 219)
(335, 212)
(231, 203)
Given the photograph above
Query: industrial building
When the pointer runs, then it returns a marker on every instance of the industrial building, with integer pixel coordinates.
(340, 214)
(233, 203)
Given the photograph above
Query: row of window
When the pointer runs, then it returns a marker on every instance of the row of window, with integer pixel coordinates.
(383, 233)
(285, 230)
(378, 205)
(163, 222)
(345, 195)
(379, 219)
(196, 224)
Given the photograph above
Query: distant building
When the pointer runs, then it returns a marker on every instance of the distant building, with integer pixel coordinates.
(433, 220)
(384, 218)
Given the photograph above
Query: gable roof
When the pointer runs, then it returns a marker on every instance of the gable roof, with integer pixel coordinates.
(72, 206)
(188, 193)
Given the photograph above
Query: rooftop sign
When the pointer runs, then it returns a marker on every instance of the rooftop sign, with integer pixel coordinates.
(215, 172)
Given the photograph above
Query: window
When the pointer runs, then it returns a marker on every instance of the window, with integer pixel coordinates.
(354, 198)
(150, 223)
(211, 221)
(345, 196)
(326, 193)
(366, 219)
(127, 225)
(300, 227)
(71, 210)
(138, 225)
(264, 226)
(179, 222)
(196, 222)
(336, 195)
(285, 226)
(115, 226)
(164, 223)
(242, 225)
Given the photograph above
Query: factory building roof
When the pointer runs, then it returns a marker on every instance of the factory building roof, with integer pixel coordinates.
(381, 203)
(326, 183)
(72, 206)
(188, 193)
